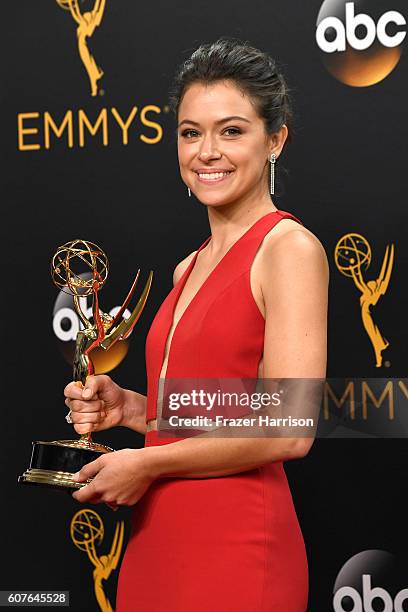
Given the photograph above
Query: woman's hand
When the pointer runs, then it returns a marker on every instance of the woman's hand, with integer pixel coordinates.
(99, 405)
(120, 478)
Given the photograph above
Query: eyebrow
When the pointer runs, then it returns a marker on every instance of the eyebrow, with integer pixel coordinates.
(217, 122)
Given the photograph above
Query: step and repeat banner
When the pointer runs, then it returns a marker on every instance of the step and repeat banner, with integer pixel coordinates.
(88, 149)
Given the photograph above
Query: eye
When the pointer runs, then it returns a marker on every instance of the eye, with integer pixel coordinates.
(189, 133)
(234, 131)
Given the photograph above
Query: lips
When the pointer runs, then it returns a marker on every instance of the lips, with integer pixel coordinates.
(215, 176)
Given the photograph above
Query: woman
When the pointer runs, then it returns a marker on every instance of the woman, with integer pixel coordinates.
(214, 526)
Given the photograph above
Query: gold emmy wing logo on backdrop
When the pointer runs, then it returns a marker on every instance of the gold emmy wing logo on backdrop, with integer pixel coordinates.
(351, 253)
(87, 530)
(87, 22)
(79, 127)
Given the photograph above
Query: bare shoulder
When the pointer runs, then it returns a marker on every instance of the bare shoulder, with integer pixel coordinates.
(289, 261)
(182, 267)
(291, 246)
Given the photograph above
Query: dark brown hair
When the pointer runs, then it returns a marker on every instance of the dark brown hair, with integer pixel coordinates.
(254, 72)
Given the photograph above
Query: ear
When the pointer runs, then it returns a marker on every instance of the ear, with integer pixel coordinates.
(277, 141)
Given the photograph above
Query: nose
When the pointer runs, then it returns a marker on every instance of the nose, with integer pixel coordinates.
(208, 150)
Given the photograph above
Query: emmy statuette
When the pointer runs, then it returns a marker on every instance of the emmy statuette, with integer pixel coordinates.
(54, 463)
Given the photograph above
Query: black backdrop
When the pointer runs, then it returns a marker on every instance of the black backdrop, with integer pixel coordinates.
(346, 173)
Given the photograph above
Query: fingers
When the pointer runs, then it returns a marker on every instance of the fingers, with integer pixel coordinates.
(88, 409)
(89, 470)
(82, 406)
(87, 424)
(90, 491)
(93, 386)
(73, 391)
(87, 494)
(86, 416)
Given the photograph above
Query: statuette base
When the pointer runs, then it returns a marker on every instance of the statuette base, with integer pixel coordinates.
(53, 464)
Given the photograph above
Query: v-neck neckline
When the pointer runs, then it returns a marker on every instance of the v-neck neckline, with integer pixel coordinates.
(186, 275)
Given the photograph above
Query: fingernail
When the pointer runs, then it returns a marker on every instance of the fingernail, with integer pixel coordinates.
(86, 393)
(75, 476)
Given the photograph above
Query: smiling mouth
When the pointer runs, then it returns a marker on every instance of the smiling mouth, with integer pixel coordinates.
(212, 177)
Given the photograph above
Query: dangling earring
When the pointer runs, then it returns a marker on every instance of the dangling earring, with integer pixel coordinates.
(189, 192)
(272, 159)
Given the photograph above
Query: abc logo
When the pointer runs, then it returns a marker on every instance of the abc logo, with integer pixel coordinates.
(368, 582)
(360, 41)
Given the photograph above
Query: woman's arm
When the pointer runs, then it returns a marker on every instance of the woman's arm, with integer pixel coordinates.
(201, 458)
(134, 411)
(294, 280)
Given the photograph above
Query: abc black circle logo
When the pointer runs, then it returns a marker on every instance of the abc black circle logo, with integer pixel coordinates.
(361, 42)
(371, 581)
(66, 324)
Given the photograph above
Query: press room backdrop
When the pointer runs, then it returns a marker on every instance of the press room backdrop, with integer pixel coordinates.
(96, 158)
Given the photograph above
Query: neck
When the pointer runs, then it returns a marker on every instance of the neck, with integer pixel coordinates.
(229, 222)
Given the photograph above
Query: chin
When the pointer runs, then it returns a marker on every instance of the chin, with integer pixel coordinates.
(213, 199)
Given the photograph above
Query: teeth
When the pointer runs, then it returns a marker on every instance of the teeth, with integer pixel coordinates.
(212, 175)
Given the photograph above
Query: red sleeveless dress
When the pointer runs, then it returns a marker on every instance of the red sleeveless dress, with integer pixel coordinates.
(218, 544)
